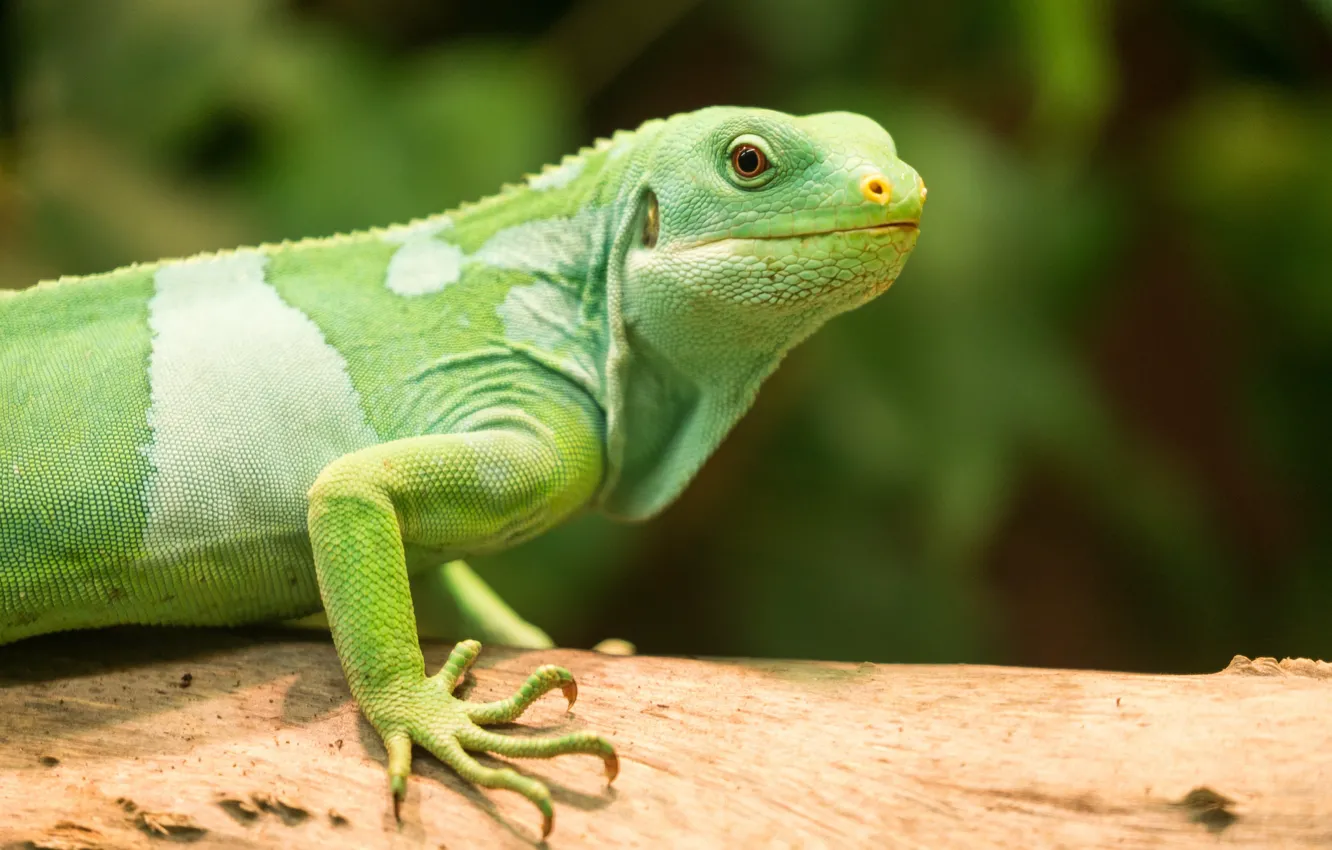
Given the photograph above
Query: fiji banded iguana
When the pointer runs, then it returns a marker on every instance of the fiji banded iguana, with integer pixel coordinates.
(257, 434)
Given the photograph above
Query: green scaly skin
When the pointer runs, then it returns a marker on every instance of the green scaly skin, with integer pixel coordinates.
(254, 435)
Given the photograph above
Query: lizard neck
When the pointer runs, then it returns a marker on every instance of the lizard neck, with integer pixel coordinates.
(540, 250)
(667, 414)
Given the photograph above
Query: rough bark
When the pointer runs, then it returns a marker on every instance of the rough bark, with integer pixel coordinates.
(144, 738)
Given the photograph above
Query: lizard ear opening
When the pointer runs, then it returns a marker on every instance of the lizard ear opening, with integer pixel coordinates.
(651, 221)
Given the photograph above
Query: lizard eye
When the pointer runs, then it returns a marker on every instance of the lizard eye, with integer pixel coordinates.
(748, 161)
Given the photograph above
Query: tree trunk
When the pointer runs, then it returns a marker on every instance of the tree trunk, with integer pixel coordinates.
(136, 739)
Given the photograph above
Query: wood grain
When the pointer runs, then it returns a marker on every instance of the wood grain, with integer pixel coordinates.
(149, 738)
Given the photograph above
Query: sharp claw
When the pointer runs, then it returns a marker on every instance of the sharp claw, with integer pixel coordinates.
(612, 767)
(547, 822)
(399, 765)
(570, 689)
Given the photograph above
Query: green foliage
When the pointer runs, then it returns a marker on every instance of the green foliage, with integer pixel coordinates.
(1088, 427)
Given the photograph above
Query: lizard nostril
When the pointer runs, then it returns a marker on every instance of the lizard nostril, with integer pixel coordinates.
(875, 189)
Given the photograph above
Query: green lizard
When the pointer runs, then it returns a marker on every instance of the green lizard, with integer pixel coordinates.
(255, 434)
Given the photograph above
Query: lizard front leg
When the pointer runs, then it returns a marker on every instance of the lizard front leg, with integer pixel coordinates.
(471, 492)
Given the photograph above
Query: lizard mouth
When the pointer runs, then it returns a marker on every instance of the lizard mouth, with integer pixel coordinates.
(890, 227)
(872, 229)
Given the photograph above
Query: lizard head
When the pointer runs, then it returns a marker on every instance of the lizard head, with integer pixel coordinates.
(754, 219)
(746, 230)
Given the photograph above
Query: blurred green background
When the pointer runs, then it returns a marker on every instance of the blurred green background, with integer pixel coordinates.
(1091, 424)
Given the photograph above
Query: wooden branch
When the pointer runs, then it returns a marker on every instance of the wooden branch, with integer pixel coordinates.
(138, 739)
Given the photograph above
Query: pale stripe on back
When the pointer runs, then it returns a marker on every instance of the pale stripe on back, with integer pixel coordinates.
(423, 264)
(249, 403)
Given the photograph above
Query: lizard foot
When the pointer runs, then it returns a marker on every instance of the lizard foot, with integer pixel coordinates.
(430, 715)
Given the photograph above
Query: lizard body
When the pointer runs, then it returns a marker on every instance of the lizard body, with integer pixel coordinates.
(261, 433)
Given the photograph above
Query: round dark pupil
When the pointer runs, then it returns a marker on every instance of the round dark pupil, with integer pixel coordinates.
(747, 160)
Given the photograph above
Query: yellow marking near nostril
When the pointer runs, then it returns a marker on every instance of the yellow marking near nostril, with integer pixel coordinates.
(923, 191)
(875, 188)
